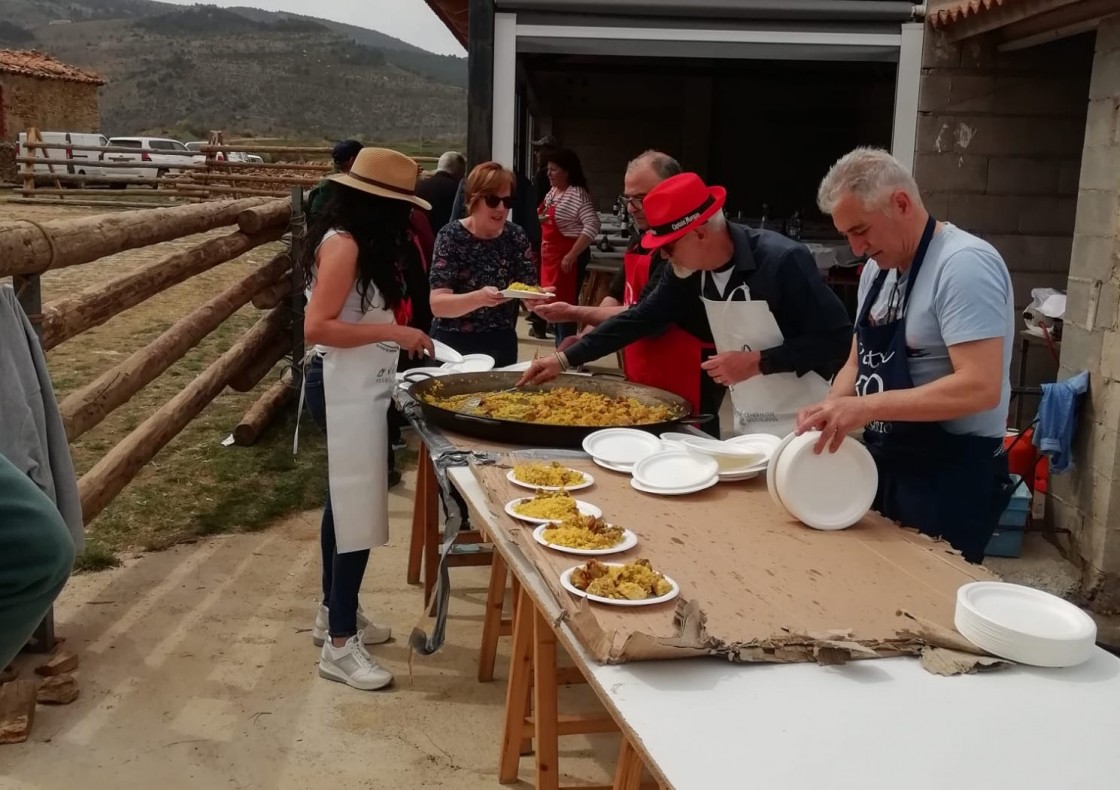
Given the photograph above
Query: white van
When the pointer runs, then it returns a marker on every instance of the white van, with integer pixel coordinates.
(66, 160)
(170, 155)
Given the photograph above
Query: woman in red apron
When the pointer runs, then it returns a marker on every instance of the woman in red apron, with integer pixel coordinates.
(569, 223)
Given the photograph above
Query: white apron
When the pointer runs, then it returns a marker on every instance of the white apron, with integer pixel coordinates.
(358, 384)
(763, 404)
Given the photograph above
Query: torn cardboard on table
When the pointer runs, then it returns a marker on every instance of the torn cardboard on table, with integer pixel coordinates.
(758, 586)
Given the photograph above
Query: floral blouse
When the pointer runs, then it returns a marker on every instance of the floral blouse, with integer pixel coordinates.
(462, 263)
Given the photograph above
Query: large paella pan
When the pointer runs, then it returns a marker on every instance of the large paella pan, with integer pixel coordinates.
(434, 394)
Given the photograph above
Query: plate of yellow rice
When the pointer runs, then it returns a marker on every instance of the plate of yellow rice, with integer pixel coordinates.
(585, 535)
(549, 476)
(617, 584)
(550, 507)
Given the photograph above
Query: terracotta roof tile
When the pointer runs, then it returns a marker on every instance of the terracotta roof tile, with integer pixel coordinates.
(29, 63)
(962, 10)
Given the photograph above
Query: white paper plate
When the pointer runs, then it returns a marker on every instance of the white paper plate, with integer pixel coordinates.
(583, 507)
(827, 491)
(677, 436)
(765, 443)
(629, 541)
(517, 367)
(674, 491)
(624, 469)
(588, 481)
(513, 293)
(674, 470)
(719, 448)
(621, 445)
(472, 363)
(566, 581)
(772, 475)
(445, 353)
(739, 477)
(415, 375)
(1024, 624)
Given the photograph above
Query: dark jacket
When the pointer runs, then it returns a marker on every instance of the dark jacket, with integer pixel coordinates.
(778, 270)
(439, 190)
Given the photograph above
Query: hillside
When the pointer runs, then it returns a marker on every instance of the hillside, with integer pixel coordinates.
(185, 70)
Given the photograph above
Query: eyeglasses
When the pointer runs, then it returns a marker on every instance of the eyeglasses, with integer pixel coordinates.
(493, 201)
(633, 200)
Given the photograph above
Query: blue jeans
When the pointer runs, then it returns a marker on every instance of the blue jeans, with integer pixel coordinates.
(342, 573)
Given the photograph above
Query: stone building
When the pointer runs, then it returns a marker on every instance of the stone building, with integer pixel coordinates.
(37, 90)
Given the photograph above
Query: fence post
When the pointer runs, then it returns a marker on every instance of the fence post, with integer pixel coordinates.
(29, 292)
(299, 240)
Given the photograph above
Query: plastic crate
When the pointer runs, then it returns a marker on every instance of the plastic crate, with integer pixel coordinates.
(1015, 515)
(1005, 543)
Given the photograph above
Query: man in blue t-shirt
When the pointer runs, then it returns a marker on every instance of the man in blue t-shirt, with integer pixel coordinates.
(927, 377)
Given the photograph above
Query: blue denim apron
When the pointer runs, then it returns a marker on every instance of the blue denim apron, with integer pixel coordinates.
(947, 485)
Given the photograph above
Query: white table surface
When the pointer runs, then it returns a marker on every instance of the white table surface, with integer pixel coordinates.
(869, 725)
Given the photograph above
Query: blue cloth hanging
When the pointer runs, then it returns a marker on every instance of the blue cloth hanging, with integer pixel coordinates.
(1057, 419)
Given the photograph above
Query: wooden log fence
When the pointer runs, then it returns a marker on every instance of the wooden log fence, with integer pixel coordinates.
(27, 249)
(88, 406)
(72, 315)
(104, 481)
(183, 178)
(32, 247)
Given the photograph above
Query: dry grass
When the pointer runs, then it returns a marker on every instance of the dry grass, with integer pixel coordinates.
(194, 486)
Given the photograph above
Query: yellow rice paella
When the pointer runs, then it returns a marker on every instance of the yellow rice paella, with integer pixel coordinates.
(560, 406)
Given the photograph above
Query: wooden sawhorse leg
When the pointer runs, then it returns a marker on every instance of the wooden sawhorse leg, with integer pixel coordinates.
(493, 625)
(420, 513)
(533, 669)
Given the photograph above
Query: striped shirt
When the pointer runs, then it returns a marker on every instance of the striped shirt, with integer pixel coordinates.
(575, 213)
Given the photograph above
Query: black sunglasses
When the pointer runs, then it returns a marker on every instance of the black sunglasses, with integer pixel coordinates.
(493, 201)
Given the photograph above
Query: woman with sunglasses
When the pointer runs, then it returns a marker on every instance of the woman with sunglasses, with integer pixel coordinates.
(475, 259)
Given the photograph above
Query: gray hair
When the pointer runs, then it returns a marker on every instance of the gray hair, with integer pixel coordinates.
(662, 164)
(717, 222)
(871, 174)
(452, 162)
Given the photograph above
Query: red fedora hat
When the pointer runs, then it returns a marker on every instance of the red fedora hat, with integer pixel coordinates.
(677, 206)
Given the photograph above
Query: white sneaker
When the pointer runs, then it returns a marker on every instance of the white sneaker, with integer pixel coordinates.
(352, 665)
(375, 633)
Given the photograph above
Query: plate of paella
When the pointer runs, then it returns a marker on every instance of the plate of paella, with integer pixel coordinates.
(549, 476)
(585, 535)
(550, 507)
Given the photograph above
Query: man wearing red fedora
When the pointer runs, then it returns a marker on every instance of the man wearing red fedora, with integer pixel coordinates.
(779, 332)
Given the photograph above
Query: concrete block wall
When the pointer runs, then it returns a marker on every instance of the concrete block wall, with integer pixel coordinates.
(1087, 501)
(51, 105)
(999, 148)
(999, 154)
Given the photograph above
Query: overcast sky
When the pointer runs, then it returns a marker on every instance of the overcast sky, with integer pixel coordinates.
(408, 20)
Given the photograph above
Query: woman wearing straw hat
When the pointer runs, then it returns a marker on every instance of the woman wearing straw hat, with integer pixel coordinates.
(355, 283)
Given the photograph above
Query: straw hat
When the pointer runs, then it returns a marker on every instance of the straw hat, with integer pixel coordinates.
(385, 173)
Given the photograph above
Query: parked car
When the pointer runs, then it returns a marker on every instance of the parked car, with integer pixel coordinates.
(66, 160)
(171, 156)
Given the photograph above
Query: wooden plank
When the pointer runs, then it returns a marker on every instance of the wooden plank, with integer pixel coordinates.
(575, 724)
(17, 710)
(517, 691)
(99, 485)
(419, 513)
(492, 619)
(545, 704)
(628, 771)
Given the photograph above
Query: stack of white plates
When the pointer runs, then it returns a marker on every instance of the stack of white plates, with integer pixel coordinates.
(471, 363)
(827, 491)
(1024, 625)
(675, 473)
(618, 449)
(741, 458)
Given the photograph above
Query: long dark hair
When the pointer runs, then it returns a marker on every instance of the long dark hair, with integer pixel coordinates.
(567, 159)
(380, 228)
